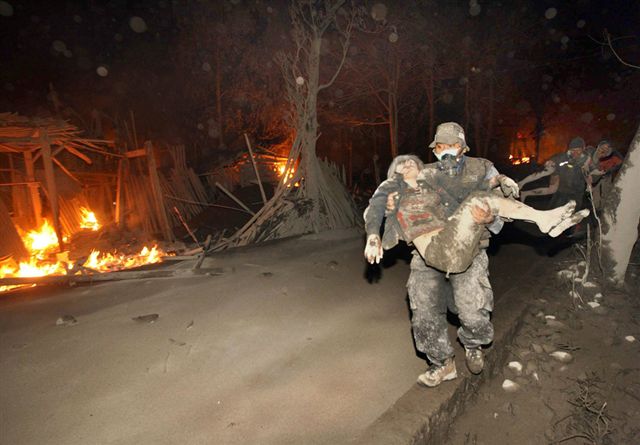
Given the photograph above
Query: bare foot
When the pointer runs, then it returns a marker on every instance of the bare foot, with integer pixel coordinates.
(556, 216)
(568, 222)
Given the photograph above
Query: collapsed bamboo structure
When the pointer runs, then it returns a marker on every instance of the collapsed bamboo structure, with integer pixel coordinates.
(134, 191)
(28, 140)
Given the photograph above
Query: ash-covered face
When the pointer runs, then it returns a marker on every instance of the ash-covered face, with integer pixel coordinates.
(408, 169)
(603, 150)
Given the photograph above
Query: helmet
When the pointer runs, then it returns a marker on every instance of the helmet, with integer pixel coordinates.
(450, 133)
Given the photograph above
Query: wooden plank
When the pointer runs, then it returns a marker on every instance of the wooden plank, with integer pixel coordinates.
(186, 226)
(107, 276)
(52, 190)
(64, 169)
(36, 203)
(133, 128)
(82, 156)
(207, 245)
(135, 153)
(118, 209)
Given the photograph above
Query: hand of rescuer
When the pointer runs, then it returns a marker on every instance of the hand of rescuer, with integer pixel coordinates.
(508, 186)
(373, 249)
(482, 214)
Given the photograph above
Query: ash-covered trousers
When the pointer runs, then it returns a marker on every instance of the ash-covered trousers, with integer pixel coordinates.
(430, 294)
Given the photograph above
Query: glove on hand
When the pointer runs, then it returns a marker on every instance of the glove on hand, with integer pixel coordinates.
(508, 186)
(373, 249)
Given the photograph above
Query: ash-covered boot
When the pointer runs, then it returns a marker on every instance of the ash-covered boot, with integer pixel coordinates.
(437, 374)
(474, 358)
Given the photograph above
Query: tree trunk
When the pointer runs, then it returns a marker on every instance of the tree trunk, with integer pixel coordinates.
(466, 105)
(621, 217)
(538, 134)
(490, 118)
(393, 124)
(219, 98)
(431, 102)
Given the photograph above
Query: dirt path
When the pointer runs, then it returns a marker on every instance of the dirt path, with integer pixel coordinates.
(574, 369)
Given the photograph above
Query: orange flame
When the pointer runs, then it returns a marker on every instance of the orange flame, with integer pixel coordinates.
(107, 262)
(89, 220)
(280, 168)
(42, 240)
(519, 161)
(42, 245)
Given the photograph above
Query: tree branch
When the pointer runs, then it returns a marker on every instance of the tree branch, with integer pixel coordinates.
(608, 37)
(345, 47)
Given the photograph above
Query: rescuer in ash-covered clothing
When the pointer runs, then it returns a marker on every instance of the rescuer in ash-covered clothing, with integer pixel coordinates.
(455, 176)
(569, 171)
(446, 243)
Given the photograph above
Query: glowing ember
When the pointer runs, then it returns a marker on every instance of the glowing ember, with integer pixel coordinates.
(280, 168)
(42, 245)
(106, 262)
(519, 161)
(89, 220)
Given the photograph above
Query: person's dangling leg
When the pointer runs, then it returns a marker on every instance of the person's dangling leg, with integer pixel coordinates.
(452, 248)
(544, 219)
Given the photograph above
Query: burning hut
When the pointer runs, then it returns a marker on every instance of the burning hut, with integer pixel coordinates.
(47, 195)
(36, 190)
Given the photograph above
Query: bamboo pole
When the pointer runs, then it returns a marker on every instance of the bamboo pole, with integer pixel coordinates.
(133, 128)
(36, 203)
(51, 186)
(232, 196)
(186, 226)
(255, 169)
(118, 210)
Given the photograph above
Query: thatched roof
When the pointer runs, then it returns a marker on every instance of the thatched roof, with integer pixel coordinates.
(20, 133)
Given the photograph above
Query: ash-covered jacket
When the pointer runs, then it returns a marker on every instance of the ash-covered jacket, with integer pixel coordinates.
(375, 213)
(474, 174)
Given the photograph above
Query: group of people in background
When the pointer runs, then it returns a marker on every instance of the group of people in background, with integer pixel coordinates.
(576, 173)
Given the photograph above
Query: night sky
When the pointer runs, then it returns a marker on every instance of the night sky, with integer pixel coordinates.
(175, 63)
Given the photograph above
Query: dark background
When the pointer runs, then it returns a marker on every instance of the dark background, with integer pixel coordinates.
(191, 71)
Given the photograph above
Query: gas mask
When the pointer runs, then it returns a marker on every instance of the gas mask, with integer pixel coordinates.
(448, 163)
(449, 151)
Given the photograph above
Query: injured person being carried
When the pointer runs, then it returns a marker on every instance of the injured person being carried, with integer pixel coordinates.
(447, 243)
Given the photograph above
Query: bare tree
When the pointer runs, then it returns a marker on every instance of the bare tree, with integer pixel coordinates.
(310, 186)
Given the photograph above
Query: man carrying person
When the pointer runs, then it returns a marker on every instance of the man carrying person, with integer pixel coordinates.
(455, 176)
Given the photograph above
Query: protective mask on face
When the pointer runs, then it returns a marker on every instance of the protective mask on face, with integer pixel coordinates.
(449, 163)
(449, 151)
